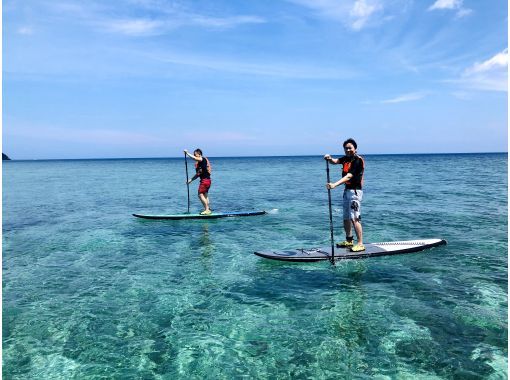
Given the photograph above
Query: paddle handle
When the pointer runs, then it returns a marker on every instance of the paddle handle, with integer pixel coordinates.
(187, 178)
(330, 217)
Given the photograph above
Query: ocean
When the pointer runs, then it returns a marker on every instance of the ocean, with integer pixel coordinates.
(90, 292)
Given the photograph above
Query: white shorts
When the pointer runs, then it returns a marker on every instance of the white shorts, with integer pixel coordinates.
(352, 204)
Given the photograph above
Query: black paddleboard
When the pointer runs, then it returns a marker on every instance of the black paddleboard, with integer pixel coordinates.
(372, 250)
(214, 215)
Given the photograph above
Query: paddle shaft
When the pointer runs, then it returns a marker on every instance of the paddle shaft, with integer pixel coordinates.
(330, 217)
(187, 178)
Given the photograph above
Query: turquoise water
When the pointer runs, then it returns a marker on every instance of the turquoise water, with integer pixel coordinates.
(90, 292)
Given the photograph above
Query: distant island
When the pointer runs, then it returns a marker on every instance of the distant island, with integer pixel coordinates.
(5, 157)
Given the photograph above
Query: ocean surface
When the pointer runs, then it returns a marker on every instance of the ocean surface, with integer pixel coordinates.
(90, 292)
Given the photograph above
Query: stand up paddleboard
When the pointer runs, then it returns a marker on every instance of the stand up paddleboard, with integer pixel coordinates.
(372, 250)
(214, 215)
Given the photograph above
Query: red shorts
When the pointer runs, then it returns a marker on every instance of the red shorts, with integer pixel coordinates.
(204, 186)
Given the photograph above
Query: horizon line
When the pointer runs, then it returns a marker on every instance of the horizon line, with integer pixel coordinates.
(249, 156)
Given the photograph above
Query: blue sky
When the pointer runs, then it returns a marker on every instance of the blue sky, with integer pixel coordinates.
(148, 78)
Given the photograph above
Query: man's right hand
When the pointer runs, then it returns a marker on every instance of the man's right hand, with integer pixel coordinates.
(327, 157)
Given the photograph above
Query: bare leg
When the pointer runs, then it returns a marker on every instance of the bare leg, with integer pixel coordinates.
(204, 200)
(358, 229)
(348, 228)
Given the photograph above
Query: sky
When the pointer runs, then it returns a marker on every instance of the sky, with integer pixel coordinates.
(149, 78)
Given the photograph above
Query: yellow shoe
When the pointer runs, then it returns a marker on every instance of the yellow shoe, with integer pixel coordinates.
(345, 244)
(206, 212)
(358, 248)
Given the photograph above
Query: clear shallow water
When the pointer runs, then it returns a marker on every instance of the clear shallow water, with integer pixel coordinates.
(91, 292)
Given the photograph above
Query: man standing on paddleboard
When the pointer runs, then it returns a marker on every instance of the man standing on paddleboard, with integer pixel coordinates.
(203, 170)
(353, 167)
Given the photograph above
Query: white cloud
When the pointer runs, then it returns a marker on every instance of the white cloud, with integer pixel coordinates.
(166, 17)
(136, 27)
(446, 4)
(499, 61)
(405, 98)
(356, 14)
(146, 27)
(361, 13)
(489, 75)
(463, 12)
(451, 5)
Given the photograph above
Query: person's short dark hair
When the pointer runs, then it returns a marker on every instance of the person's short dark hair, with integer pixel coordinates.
(199, 151)
(350, 141)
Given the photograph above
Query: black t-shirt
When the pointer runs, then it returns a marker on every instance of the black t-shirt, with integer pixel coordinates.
(202, 170)
(356, 166)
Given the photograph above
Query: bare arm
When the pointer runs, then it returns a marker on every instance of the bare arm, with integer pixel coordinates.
(342, 180)
(332, 160)
(199, 159)
(192, 179)
(196, 159)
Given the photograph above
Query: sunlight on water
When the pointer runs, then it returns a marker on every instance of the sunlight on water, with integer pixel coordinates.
(91, 292)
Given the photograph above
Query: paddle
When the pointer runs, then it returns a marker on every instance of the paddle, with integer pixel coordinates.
(330, 218)
(187, 180)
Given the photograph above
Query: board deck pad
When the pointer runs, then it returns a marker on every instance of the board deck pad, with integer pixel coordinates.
(214, 215)
(372, 250)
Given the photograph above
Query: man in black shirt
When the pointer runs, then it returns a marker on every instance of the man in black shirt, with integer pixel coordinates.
(353, 167)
